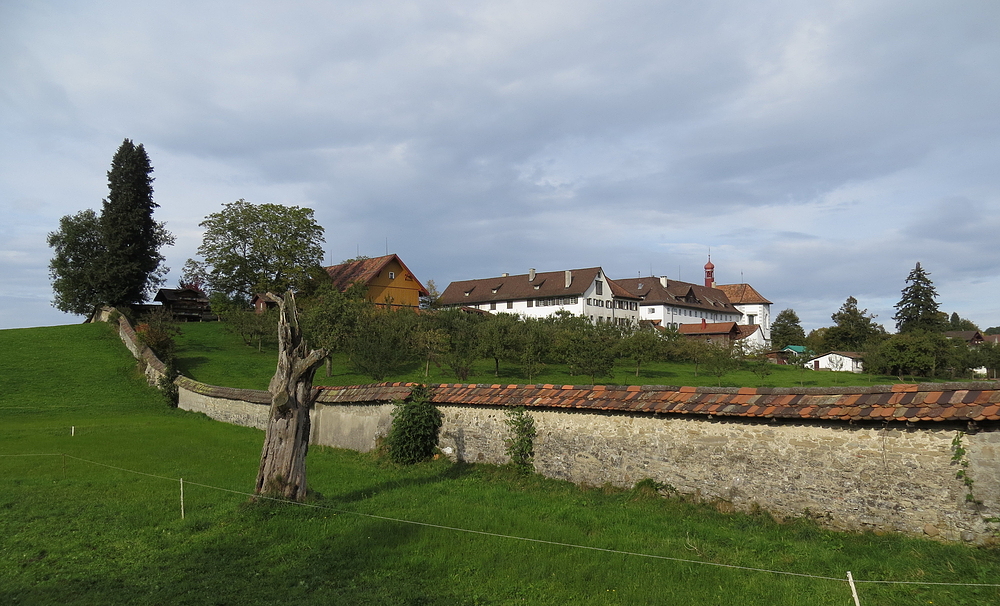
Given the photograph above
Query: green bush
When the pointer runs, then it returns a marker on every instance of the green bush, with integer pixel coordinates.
(521, 443)
(415, 426)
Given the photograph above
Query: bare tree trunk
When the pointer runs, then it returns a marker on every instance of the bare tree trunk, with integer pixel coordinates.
(283, 460)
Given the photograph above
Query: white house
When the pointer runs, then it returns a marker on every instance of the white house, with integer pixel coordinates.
(583, 292)
(847, 361)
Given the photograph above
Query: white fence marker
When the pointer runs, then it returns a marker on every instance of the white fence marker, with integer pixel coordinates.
(182, 498)
(72, 430)
(854, 590)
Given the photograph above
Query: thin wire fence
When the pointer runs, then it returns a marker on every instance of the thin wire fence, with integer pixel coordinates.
(847, 579)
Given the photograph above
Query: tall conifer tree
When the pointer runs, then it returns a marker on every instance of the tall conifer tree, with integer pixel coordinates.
(132, 239)
(918, 307)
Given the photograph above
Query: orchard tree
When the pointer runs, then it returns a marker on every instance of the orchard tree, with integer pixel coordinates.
(253, 248)
(853, 330)
(918, 308)
(787, 330)
(498, 338)
(642, 344)
(113, 259)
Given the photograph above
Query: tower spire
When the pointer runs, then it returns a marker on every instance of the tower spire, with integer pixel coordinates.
(709, 273)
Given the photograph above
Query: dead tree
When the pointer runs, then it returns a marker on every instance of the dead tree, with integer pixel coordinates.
(283, 460)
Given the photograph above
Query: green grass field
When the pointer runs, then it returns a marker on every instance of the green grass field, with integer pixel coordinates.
(102, 525)
(207, 352)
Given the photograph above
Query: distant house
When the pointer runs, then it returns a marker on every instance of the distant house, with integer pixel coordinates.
(387, 281)
(973, 338)
(584, 292)
(186, 304)
(725, 333)
(782, 356)
(847, 361)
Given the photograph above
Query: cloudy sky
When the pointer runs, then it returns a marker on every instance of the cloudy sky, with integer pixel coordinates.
(818, 149)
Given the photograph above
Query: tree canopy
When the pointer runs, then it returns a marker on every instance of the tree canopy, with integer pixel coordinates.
(787, 330)
(918, 308)
(113, 258)
(853, 329)
(253, 248)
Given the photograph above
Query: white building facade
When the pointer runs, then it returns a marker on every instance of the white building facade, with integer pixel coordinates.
(582, 292)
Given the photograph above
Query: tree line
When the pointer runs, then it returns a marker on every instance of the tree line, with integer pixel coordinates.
(919, 347)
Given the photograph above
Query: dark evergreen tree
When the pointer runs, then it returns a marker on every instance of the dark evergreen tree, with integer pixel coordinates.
(854, 328)
(787, 330)
(115, 258)
(957, 322)
(918, 308)
(131, 267)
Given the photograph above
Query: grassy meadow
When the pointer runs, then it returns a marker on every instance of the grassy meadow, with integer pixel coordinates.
(102, 525)
(207, 352)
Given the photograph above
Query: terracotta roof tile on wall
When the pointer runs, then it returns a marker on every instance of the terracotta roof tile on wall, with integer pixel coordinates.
(931, 402)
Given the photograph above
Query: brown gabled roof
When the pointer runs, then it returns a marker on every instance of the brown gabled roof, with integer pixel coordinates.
(180, 294)
(677, 293)
(742, 294)
(364, 271)
(545, 284)
(969, 336)
(745, 330)
(709, 328)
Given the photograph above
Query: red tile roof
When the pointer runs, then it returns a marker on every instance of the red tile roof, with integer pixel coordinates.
(546, 284)
(742, 294)
(677, 293)
(923, 403)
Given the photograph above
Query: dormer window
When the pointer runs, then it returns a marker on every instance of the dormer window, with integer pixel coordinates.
(392, 275)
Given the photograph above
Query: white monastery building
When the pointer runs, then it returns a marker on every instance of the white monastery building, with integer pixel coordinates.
(582, 292)
(590, 293)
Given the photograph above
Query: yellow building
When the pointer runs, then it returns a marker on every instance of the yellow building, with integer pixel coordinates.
(386, 279)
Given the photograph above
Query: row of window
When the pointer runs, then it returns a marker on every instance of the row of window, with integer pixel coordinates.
(541, 302)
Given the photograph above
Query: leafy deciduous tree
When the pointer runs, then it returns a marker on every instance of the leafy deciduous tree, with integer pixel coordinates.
(641, 344)
(498, 338)
(252, 248)
(854, 328)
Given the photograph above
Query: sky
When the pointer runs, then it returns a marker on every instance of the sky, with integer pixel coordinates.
(817, 150)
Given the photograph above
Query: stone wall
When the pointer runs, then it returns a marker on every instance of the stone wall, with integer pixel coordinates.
(851, 476)
(874, 458)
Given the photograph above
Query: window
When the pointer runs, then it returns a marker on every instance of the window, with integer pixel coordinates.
(530, 302)
(392, 275)
(510, 305)
(650, 310)
(493, 304)
(751, 319)
(599, 287)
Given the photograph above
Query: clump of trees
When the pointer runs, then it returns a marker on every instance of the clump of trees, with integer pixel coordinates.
(112, 258)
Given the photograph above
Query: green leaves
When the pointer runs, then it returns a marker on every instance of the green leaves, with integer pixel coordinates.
(250, 248)
(415, 426)
(113, 259)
